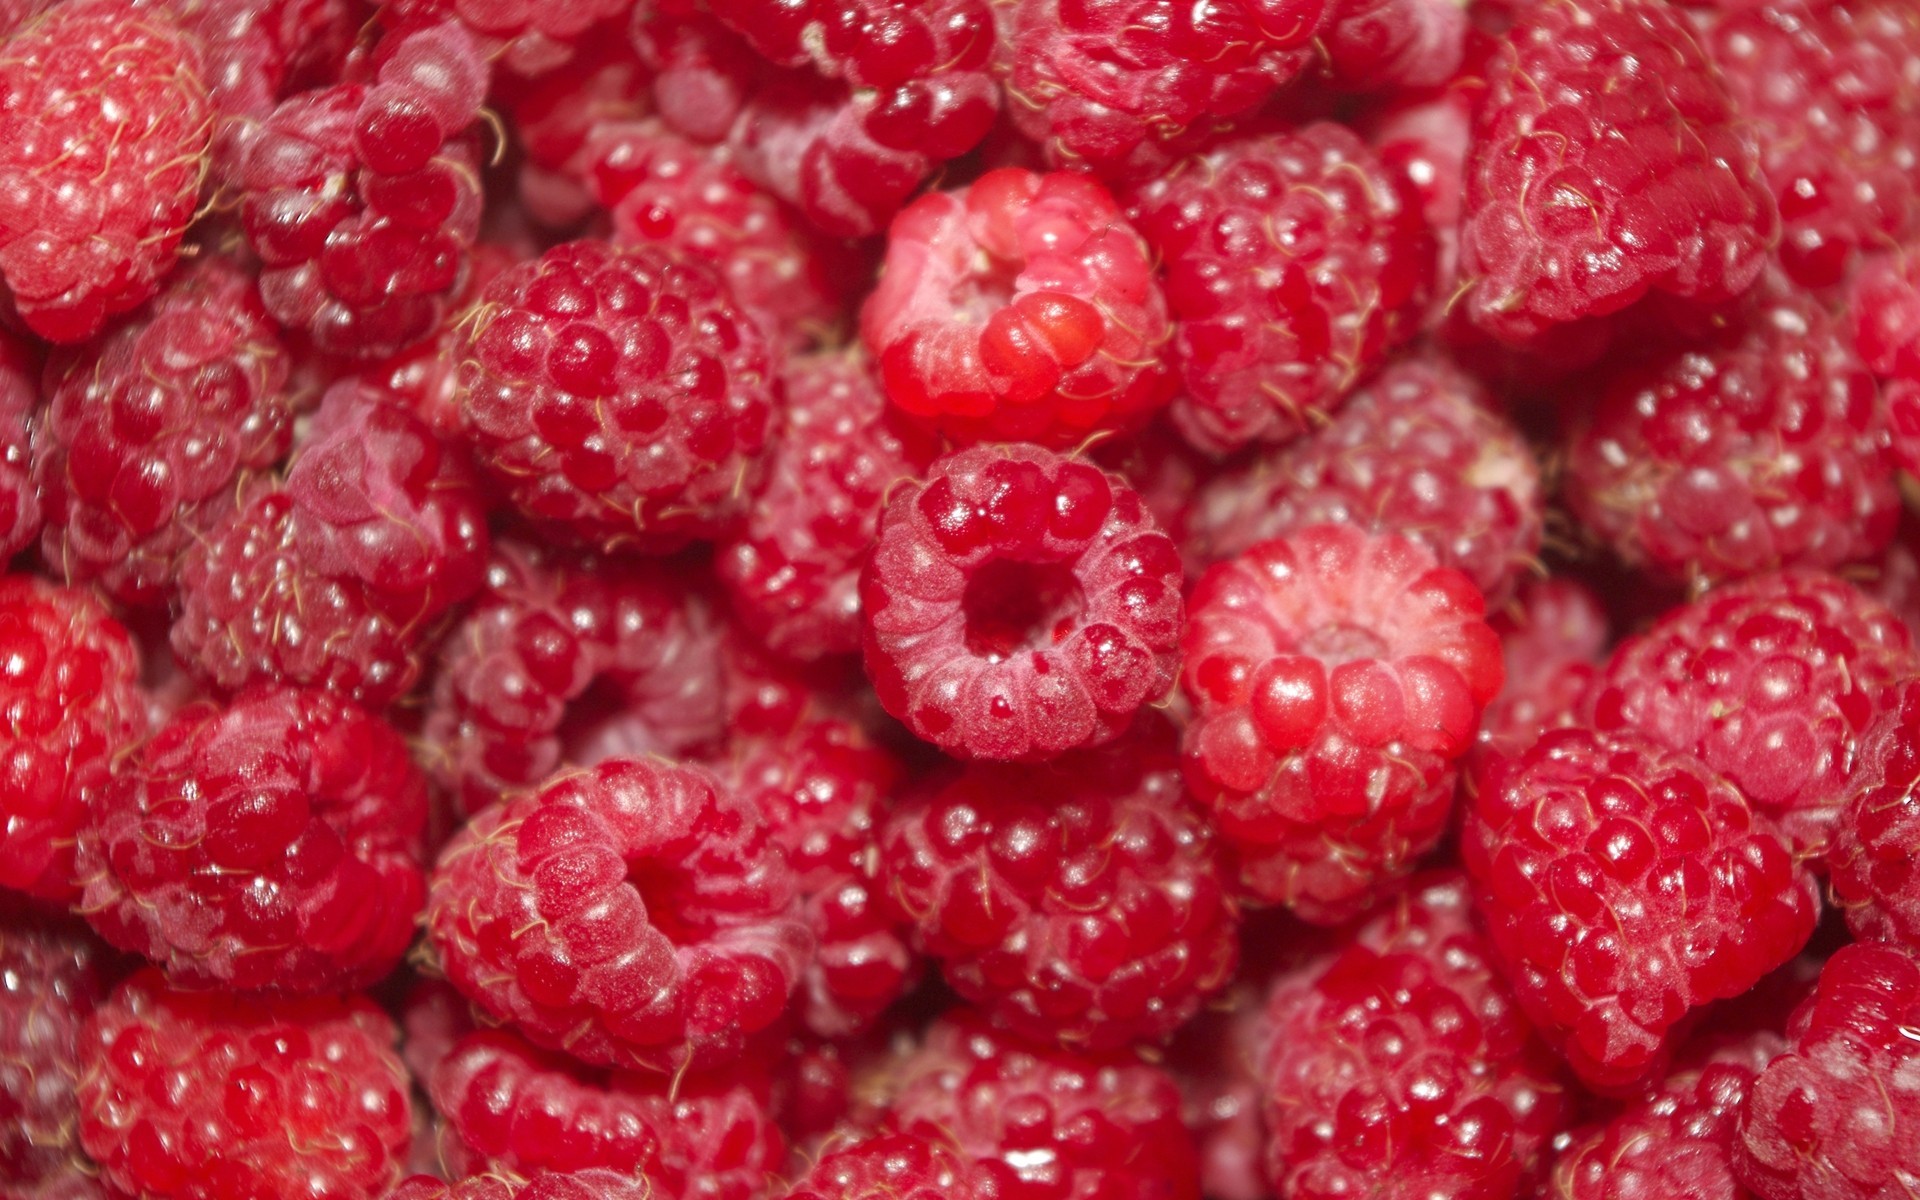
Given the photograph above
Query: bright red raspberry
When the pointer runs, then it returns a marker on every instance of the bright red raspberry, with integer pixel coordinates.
(1387, 45)
(1419, 451)
(104, 130)
(1422, 137)
(19, 397)
(1023, 308)
(890, 1165)
(555, 642)
(147, 430)
(1625, 885)
(363, 199)
(1874, 877)
(618, 396)
(1553, 637)
(70, 702)
(523, 36)
(1772, 681)
(1335, 677)
(1884, 310)
(202, 1095)
(1159, 464)
(575, 1185)
(273, 843)
(634, 915)
(1019, 604)
(1403, 1067)
(337, 576)
(1564, 223)
(1294, 264)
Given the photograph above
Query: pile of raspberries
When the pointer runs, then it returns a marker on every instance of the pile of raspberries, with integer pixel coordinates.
(959, 599)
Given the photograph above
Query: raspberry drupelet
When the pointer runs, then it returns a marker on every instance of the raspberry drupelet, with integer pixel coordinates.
(1874, 877)
(1335, 677)
(1018, 605)
(19, 397)
(1394, 45)
(893, 1165)
(1294, 264)
(1553, 637)
(199, 1096)
(523, 36)
(105, 125)
(1023, 308)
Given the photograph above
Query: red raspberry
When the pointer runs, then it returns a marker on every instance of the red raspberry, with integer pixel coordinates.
(19, 494)
(70, 702)
(634, 915)
(363, 200)
(1043, 1123)
(103, 144)
(1383, 45)
(1624, 885)
(892, 1166)
(1402, 1066)
(1019, 604)
(1294, 264)
(617, 395)
(522, 36)
(1762, 449)
(1023, 308)
(201, 1095)
(1884, 309)
(1562, 223)
(1834, 1117)
(1335, 677)
(793, 574)
(336, 577)
(1422, 138)
(1123, 87)
(1553, 637)
(148, 429)
(555, 641)
(1418, 451)
(275, 843)
(575, 1185)
(511, 1107)
(1875, 879)
(1159, 464)
(1771, 681)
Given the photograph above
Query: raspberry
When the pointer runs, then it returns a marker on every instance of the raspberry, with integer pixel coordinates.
(1403, 1067)
(148, 429)
(574, 1185)
(618, 396)
(1771, 681)
(1335, 677)
(1159, 464)
(1624, 885)
(19, 495)
(1023, 308)
(1884, 308)
(363, 200)
(1832, 1118)
(1375, 45)
(1561, 223)
(1874, 877)
(1018, 605)
(1418, 451)
(1294, 264)
(1553, 637)
(1765, 448)
(892, 1166)
(1081, 901)
(274, 843)
(336, 577)
(523, 36)
(510, 1107)
(70, 701)
(551, 640)
(105, 129)
(1216, 1060)
(634, 915)
(200, 1095)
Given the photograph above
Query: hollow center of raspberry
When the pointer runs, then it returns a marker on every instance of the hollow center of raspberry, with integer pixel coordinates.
(1017, 606)
(984, 290)
(666, 891)
(1342, 643)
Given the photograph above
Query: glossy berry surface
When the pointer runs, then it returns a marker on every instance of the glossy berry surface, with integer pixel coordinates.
(19, 397)
(1873, 878)
(900, 1166)
(1553, 638)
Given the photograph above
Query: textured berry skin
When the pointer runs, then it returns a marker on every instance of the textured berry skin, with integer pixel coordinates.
(1335, 677)
(274, 843)
(1023, 308)
(335, 576)
(70, 701)
(147, 430)
(1873, 873)
(1562, 223)
(574, 1185)
(19, 494)
(522, 36)
(1082, 901)
(1419, 451)
(1044, 1123)
(617, 396)
(1761, 449)
(105, 122)
(362, 200)
(793, 574)
(1553, 637)
(1403, 1067)
(1019, 604)
(1771, 681)
(510, 1107)
(1832, 1118)
(892, 1166)
(634, 915)
(545, 633)
(200, 1095)
(1294, 264)
(1387, 45)
(1884, 308)
(1625, 885)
